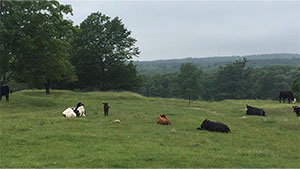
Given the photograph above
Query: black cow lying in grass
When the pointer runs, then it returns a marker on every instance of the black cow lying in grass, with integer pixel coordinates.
(214, 126)
(255, 111)
(297, 110)
(4, 91)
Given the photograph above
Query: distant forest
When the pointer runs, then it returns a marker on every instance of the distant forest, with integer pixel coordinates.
(219, 78)
(212, 63)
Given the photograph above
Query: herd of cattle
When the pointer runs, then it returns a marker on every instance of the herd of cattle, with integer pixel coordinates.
(79, 111)
(208, 125)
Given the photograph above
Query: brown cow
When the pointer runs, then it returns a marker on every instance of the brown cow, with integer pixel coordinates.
(162, 119)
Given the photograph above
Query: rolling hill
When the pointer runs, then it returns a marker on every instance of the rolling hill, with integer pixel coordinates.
(211, 63)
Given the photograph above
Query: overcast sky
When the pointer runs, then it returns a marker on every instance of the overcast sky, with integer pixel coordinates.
(180, 29)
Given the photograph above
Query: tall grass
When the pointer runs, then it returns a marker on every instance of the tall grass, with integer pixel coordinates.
(34, 133)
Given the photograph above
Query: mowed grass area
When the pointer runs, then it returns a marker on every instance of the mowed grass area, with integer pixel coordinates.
(34, 133)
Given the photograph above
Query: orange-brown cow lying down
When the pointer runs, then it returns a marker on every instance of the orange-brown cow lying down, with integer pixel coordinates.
(162, 119)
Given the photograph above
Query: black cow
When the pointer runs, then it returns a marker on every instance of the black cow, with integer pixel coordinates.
(214, 126)
(297, 110)
(286, 95)
(4, 91)
(255, 111)
(105, 108)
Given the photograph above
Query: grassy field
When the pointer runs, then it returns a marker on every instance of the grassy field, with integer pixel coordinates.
(34, 133)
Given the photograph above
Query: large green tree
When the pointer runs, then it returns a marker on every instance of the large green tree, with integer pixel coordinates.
(270, 80)
(233, 81)
(36, 41)
(101, 49)
(268, 85)
(159, 85)
(190, 82)
(5, 54)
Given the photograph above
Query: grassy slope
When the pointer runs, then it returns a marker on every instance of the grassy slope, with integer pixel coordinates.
(34, 134)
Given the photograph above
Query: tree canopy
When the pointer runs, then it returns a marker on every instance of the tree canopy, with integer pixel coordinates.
(101, 49)
(231, 81)
(35, 40)
(190, 81)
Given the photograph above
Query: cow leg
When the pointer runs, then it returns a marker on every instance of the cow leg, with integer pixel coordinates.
(7, 97)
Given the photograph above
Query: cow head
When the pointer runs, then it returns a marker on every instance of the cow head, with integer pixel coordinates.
(294, 101)
(79, 104)
(263, 112)
(80, 109)
(163, 116)
(204, 123)
(106, 106)
(296, 109)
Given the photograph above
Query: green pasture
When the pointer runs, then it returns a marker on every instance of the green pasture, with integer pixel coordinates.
(33, 133)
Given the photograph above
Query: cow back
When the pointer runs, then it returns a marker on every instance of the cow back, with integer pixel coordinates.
(4, 90)
(286, 94)
(255, 111)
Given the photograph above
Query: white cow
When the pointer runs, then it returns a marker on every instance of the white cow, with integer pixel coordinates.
(79, 111)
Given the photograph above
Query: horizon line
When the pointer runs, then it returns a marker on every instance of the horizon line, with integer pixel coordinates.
(215, 56)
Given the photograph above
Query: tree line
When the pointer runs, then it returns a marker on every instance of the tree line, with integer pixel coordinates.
(212, 63)
(230, 81)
